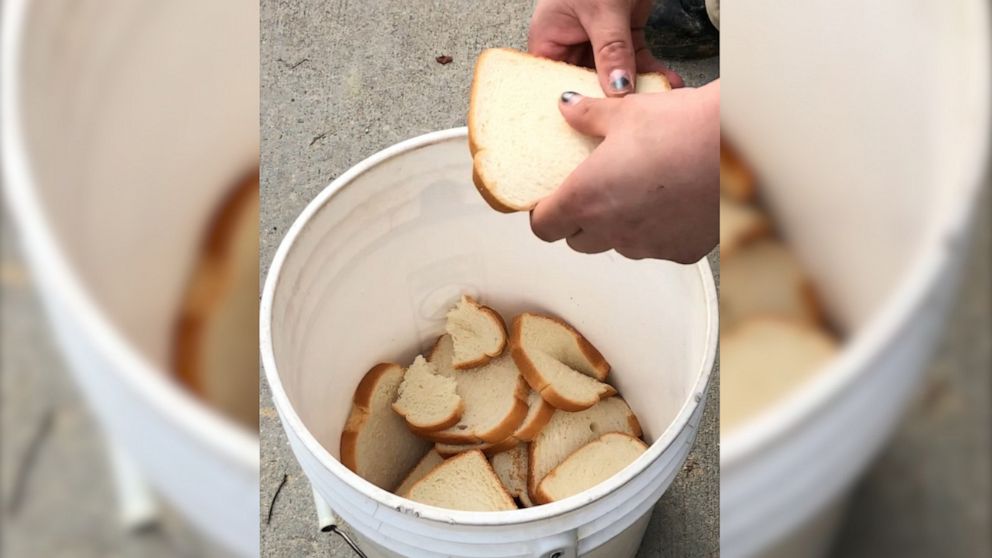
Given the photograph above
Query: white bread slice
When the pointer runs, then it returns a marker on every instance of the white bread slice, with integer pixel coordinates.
(740, 224)
(490, 449)
(763, 360)
(567, 432)
(589, 465)
(427, 400)
(539, 412)
(736, 179)
(511, 468)
(764, 278)
(522, 147)
(465, 482)
(478, 333)
(376, 443)
(558, 362)
(213, 350)
(426, 464)
(494, 397)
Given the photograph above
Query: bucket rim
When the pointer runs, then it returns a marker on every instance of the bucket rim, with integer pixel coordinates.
(293, 421)
(201, 423)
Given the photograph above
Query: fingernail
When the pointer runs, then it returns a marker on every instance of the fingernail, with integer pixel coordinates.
(570, 97)
(620, 80)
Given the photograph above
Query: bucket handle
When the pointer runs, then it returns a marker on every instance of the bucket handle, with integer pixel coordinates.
(327, 523)
(562, 545)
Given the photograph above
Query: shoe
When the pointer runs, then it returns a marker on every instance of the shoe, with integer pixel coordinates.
(681, 29)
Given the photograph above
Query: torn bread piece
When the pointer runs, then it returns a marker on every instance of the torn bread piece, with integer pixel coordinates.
(426, 464)
(589, 465)
(465, 482)
(558, 362)
(494, 397)
(567, 432)
(522, 147)
(478, 332)
(376, 443)
(427, 400)
(511, 468)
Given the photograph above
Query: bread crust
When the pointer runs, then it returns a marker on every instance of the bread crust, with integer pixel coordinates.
(812, 302)
(485, 358)
(532, 482)
(527, 431)
(447, 422)
(541, 495)
(482, 184)
(360, 411)
(537, 382)
(211, 276)
(744, 189)
(508, 425)
(496, 434)
(508, 499)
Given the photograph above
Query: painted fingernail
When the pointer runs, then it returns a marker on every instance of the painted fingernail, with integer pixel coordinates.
(620, 80)
(570, 97)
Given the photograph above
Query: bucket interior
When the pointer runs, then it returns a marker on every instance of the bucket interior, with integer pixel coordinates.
(864, 140)
(138, 119)
(369, 277)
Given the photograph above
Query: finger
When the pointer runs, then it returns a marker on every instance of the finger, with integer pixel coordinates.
(587, 115)
(633, 253)
(646, 62)
(588, 243)
(553, 224)
(556, 51)
(556, 34)
(612, 48)
(580, 196)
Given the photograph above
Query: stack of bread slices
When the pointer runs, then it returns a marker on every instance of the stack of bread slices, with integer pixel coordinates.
(772, 332)
(490, 420)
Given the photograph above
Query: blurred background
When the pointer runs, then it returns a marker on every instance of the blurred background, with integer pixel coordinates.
(128, 128)
(130, 278)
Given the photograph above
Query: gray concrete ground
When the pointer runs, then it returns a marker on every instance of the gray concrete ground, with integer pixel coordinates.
(929, 493)
(342, 80)
(68, 505)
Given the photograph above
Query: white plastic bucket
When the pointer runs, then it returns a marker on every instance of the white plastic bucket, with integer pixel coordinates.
(365, 275)
(124, 125)
(868, 123)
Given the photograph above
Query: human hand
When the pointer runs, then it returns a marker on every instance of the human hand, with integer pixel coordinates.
(651, 189)
(607, 35)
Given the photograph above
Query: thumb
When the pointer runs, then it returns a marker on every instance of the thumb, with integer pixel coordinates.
(613, 49)
(587, 115)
